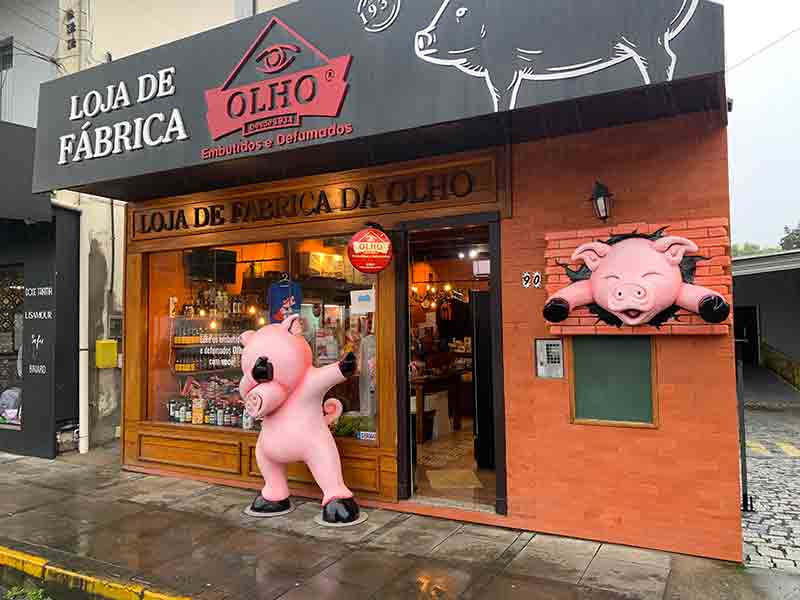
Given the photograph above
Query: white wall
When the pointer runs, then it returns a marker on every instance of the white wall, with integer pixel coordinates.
(33, 24)
(777, 296)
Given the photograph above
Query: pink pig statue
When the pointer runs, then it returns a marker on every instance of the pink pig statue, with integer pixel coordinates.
(636, 279)
(282, 388)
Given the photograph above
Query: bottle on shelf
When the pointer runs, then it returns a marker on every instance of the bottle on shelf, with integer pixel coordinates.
(247, 421)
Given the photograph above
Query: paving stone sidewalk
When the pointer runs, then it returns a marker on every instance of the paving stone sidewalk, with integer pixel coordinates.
(191, 538)
(771, 534)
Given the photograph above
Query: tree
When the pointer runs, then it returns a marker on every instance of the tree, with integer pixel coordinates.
(791, 238)
(750, 249)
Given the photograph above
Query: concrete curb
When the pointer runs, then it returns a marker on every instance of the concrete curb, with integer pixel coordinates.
(39, 568)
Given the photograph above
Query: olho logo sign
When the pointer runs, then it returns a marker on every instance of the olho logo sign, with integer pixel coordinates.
(370, 251)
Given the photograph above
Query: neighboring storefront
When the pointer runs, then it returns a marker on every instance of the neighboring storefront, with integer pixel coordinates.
(767, 290)
(252, 155)
(38, 270)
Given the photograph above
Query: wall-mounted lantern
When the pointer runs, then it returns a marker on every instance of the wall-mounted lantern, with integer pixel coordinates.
(602, 201)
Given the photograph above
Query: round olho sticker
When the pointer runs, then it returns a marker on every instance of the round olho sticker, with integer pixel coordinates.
(370, 250)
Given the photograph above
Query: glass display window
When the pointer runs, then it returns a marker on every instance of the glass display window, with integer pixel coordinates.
(11, 337)
(202, 300)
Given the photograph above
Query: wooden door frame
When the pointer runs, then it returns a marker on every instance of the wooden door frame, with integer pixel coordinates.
(492, 220)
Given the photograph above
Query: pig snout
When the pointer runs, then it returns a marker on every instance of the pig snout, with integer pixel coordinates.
(425, 42)
(632, 299)
(264, 399)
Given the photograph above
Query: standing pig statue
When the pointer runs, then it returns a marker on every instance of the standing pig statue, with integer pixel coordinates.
(284, 390)
(636, 279)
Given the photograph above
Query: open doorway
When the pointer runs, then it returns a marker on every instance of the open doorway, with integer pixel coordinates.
(450, 377)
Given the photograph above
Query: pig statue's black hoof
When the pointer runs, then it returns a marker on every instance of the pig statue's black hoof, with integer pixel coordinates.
(262, 507)
(348, 365)
(556, 310)
(341, 512)
(714, 309)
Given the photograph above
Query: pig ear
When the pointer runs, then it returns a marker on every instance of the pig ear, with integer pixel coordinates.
(591, 254)
(245, 337)
(292, 325)
(675, 248)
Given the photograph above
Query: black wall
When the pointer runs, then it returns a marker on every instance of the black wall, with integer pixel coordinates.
(67, 225)
(49, 255)
(34, 247)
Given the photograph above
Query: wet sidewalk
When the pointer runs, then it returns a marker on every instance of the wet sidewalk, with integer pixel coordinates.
(191, 539)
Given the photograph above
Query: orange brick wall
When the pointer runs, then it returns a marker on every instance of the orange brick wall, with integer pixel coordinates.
(712, 237)
(675, 487)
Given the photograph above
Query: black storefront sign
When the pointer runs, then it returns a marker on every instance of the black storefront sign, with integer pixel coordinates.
(317, 73)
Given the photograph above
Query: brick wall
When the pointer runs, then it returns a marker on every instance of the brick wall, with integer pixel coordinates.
(712, 237)
(675, 487)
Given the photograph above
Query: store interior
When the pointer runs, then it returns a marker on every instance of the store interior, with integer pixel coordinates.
(450, 368)
(202, 300)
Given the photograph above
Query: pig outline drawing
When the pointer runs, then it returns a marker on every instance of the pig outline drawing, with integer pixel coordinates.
(651, 297)
(282, 388)
(653, 55)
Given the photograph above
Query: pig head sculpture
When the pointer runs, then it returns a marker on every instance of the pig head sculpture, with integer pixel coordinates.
(566, 39)
(636, 279)
(282, 388)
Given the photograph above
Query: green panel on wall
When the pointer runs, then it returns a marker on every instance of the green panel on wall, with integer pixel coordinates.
(613, 378)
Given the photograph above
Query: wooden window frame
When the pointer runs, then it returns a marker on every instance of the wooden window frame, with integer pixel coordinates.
(569, 360)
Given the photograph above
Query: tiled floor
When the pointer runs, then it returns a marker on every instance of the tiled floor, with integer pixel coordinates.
(193, 539)
(459, 445)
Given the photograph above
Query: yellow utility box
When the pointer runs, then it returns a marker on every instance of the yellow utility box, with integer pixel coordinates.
(106, 354)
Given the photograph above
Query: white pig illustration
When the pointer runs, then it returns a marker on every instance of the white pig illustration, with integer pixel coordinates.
(563, 40)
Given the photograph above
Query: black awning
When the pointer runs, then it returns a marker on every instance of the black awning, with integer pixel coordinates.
(17, 201)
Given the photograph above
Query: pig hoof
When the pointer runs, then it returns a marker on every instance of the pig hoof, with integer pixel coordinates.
(714, 309)
(556, 310)
(262, 507)
(348, 365)
(340, 511)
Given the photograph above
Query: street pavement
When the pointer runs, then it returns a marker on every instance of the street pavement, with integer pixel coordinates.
(82, 513)
(771, 534)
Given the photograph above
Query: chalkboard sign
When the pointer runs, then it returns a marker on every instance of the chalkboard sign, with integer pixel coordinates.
(613, 379)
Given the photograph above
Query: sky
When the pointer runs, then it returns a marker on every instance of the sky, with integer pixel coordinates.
(764, 128)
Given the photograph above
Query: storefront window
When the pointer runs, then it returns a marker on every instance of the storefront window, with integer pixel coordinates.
(201, 301)
(11, 332)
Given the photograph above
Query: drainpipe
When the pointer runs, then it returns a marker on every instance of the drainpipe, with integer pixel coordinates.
(83, 326)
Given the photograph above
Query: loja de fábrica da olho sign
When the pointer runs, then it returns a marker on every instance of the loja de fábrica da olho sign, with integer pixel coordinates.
(379, 195)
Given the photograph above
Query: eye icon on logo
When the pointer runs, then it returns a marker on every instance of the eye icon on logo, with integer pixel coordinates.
(277, 57)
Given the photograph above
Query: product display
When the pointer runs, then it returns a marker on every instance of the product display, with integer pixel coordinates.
(368, 376)
(197, 368)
